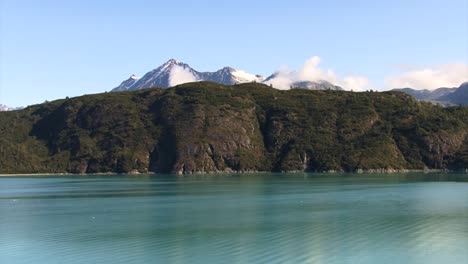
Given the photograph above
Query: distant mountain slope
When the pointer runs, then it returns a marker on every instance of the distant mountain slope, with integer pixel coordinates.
(427, 95)
(209, 127)
(458, 97)
(444, 96)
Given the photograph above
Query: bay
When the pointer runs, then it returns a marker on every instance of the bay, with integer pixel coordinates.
(237, 218)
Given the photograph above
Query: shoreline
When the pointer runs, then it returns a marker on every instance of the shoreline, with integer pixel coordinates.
(371, 171)
(57, 174)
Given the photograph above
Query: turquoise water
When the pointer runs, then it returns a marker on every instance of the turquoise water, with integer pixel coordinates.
(268, 218)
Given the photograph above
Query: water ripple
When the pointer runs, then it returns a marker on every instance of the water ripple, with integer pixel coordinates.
(235, 219)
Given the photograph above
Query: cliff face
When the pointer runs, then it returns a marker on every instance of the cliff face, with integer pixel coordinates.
(206, 127)
(201, 134)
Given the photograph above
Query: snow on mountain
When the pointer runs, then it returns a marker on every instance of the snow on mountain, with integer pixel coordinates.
(317, 85)
(280, 79)
(223, 76)
(243, 76)
(175, 72)
(3, 108)
(127, 84)
(161, 76)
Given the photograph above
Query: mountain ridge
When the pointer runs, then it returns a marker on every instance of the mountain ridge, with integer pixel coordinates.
(208, 127)
(444, 96)
(161, 77)
(457, 97)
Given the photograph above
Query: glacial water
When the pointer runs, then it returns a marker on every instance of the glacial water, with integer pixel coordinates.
(249, 218)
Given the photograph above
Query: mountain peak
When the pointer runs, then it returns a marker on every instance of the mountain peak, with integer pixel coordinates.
(168, 65)
(127, 84)
(173, 62)
(228, 69)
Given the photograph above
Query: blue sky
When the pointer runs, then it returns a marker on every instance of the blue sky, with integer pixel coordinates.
(52, 49)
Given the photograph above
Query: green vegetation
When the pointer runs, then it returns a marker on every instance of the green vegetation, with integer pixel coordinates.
(206, 127)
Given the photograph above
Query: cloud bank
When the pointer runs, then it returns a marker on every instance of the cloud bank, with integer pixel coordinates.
(432, 77)
(311, 71)
(180, 75)
(436, 76)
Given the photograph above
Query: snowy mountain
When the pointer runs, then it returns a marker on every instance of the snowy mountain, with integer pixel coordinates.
(175, 72)
(127, 84)
(308, 85)
(230, 76)
(3, 108)
(166, 75)
(243, 77)
(318, 85)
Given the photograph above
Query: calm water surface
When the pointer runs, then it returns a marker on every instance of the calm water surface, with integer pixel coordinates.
(268, 218)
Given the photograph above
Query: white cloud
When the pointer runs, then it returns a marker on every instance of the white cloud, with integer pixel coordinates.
(311, 71)
(180, 75)
(445, 75)
(283, 80)
(355, 83)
